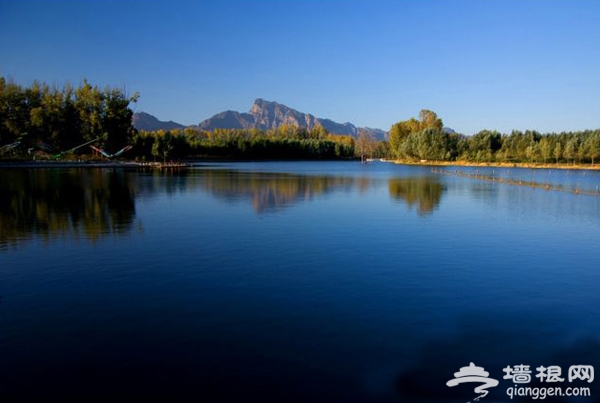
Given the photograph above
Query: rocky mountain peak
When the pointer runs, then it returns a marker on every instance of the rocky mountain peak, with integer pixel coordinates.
(260, 104)
(270, 115)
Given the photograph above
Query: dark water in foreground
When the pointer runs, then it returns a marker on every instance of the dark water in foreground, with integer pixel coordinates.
(292, 282)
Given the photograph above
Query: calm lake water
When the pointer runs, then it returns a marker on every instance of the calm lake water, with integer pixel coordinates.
(294, 281)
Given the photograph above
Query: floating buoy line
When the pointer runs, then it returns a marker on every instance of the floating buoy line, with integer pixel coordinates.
(517, 182)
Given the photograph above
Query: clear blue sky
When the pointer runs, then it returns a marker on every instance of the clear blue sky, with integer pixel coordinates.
(479, 64)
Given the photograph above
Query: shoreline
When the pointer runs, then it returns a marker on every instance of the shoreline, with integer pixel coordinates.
(524, 165)
(184, 163)
(7, 164)
(89, 164)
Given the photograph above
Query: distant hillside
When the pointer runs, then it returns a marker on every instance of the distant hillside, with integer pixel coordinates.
(263, 115)
(266, 115)
(145, 121)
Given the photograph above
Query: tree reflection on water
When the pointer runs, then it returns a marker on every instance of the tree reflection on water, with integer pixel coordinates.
(88, 203)
(93, 203)
(424, 192)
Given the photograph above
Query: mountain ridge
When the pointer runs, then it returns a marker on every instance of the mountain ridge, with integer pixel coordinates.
(145, 121)
(263, 115)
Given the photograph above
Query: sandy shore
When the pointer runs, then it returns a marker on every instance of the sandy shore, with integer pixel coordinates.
(594, 167)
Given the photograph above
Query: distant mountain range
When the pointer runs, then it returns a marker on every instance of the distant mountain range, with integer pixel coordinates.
(145, 121)
(263, 115)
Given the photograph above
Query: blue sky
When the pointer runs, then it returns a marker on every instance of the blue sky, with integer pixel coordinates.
(500, 65)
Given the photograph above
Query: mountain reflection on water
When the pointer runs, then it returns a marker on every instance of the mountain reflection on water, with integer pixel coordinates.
(269, 191)
(93, 203)
(274, 191)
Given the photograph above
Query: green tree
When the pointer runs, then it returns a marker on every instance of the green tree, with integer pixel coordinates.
(365, 144)
(117, 130)
(163, 145)
(428, 119)
(571, 149)
(318, 132)
(533, 152)
(558, 151)
(592, 145)
(546, 148)
(484, 145)
(401, 132)
(16, 112)
(89, 103)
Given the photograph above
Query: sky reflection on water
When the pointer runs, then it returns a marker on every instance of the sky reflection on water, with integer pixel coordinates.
(289, 282)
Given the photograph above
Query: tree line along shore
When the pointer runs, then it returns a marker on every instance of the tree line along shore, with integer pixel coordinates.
(46, 122)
